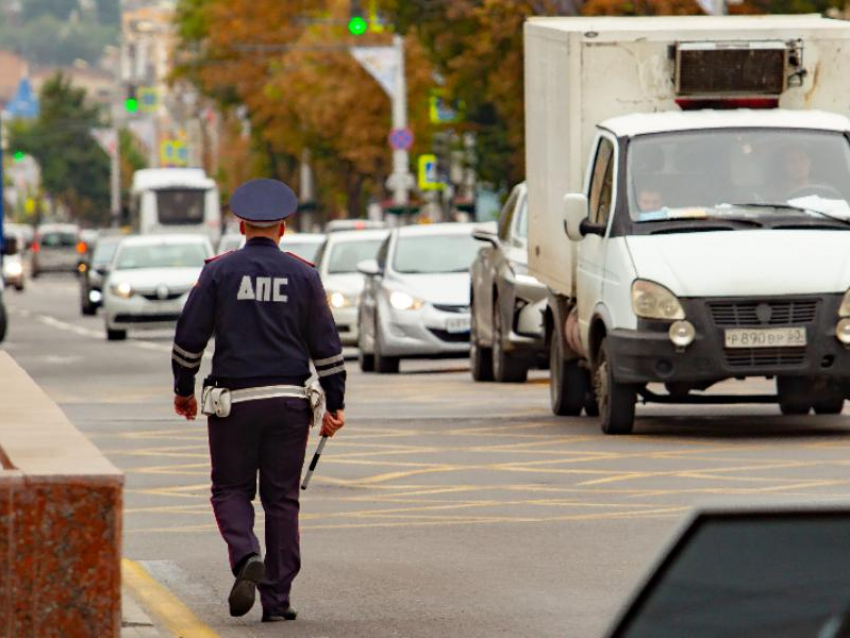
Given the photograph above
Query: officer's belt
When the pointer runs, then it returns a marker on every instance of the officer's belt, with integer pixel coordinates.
(269, 392)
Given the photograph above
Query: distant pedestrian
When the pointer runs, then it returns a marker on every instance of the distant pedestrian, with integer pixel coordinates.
(270, 317)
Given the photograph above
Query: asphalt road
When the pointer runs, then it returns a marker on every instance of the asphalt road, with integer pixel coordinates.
(445, 507)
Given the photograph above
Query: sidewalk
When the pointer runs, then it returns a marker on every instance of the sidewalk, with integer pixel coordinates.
(135, 622)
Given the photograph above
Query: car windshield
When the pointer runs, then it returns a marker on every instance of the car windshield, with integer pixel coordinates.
(178, 206)
(344, 256)
(53, 239)
(161, 256)
(304, 249)
(746, 173)
(428, 254)
(104, 251)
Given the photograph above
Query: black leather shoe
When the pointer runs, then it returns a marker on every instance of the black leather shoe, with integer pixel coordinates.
(244, 590)
(274, 616)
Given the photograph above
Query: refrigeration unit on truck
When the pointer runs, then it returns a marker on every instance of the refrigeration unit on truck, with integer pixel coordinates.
(688, 189)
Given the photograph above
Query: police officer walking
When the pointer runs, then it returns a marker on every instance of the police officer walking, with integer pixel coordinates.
(270, 317)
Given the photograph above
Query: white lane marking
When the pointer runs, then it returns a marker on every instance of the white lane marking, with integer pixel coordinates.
(99, 335)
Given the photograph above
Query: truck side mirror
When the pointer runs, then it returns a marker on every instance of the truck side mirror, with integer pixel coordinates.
(487, 236)
(575, 212)
(369, 267)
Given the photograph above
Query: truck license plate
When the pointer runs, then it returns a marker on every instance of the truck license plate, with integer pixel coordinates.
(766, 338)
(457, 325)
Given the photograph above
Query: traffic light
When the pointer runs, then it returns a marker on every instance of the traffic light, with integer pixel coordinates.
(18, 156)
(131, 104)
(357, 24)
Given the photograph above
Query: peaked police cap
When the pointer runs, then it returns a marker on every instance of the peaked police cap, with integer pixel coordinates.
(263, 201)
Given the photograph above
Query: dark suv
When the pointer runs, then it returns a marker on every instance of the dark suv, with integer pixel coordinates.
(94, 270)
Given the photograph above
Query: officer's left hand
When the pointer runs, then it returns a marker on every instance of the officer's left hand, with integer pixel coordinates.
(332, 422)
(186, 406)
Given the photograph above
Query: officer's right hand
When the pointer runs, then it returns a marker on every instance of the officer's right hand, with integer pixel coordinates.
(332, 422)
(186, 406)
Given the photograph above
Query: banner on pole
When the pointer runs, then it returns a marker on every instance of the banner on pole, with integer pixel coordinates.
(381, 63)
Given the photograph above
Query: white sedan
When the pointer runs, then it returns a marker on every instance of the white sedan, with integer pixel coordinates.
(150, 279)
(337, 265)
(416, 300)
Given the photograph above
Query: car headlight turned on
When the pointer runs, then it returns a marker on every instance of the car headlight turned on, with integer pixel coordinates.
(14, 269)
(338, 300)
(653, 301)
(403, 301)
(122, 289)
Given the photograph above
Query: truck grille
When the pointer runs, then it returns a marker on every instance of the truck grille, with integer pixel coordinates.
(764, 357)
(734, 314)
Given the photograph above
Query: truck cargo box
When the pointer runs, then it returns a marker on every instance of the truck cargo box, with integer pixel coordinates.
(582, 71)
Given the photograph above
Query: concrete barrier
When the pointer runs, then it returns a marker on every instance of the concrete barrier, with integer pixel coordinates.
(60, 520)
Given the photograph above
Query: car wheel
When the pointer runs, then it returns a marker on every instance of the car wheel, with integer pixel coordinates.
(115, 335)
(3, 321)
(480, 359)
(506, 367)
(366, 360)
(616, 400)
(568, 385)
(383, 363)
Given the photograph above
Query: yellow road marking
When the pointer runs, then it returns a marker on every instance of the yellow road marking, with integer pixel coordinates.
(168, 609)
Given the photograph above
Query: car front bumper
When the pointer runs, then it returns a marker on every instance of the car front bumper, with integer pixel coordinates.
(140, 313)
(647, 355)
(346, 324)
(427, 332)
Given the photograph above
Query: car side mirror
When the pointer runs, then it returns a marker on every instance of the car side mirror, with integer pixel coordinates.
(369, 267)
(487, 236)
(575, 214)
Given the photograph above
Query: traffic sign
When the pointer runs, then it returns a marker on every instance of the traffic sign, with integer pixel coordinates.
(429, 180)
(401, 139)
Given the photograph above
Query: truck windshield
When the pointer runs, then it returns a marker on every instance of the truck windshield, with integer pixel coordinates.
(739, 173)
(180, 206)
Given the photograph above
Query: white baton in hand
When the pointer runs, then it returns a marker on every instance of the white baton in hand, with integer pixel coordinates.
(314, 463)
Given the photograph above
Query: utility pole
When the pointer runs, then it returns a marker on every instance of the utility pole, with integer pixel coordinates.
(401, 173)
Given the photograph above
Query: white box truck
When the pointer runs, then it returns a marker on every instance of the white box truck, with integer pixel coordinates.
(688, 188)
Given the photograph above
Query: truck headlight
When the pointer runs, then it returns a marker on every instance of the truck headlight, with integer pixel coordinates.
(122, 289)
(403, 301)
(844, 308)
(682, 333)
(842, 331)
(339, 300)
(653, 301)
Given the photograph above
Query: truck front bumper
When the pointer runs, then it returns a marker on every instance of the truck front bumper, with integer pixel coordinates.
(647, 355)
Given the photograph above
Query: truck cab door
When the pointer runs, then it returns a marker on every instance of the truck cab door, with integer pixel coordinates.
(592, 249)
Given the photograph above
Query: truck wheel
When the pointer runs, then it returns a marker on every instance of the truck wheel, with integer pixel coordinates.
(829, 405)
(506, 367)
(794, 396)
(567, 383)
(616, 400)
(480, 359)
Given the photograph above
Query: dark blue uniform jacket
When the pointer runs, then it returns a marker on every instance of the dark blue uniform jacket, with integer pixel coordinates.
(270, 317)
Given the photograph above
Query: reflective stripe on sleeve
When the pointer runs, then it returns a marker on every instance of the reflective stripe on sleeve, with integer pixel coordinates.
(194, 365)
(186, 354)
(327, 373)
(326, 362)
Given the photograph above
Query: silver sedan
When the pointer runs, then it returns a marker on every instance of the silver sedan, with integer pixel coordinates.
(416, 300)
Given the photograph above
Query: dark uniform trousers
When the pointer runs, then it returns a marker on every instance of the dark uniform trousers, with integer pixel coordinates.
(268, 436)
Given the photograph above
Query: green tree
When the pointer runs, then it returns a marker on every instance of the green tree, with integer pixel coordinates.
(74, 169)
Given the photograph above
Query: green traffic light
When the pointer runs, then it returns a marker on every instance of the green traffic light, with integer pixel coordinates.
(357, 26)
(132, 105)
(19, 156)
